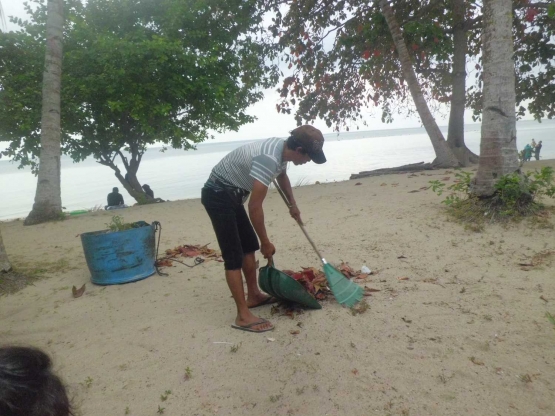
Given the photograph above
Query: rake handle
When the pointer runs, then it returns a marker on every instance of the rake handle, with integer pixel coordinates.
(284, 197)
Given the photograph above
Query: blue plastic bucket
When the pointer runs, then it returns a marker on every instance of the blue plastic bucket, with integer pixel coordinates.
(121, 256)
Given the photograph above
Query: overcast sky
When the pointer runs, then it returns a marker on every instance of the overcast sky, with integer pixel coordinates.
(269, 122)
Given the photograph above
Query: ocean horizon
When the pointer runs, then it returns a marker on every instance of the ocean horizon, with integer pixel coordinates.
(176, 174)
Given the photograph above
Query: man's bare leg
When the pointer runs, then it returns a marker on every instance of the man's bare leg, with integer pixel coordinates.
(244, 315)
(254, 295)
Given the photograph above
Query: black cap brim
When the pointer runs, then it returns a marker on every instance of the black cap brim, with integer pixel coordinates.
(318, 157)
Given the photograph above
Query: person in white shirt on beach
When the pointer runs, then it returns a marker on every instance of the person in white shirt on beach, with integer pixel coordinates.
(249, 170)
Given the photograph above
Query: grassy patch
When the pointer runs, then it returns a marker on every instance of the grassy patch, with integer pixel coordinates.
(12, 282)
(516, 197)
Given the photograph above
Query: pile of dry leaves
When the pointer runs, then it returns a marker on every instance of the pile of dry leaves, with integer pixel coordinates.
(314, 280)
(191, 251)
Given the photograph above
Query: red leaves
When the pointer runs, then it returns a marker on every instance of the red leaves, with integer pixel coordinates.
(531, 14)
(366, 54)
(313, 280)
(186, 250)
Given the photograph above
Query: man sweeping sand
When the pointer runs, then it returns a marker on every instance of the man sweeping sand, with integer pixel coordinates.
(249, 170)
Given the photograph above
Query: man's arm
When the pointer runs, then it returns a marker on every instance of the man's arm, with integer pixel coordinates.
(285, 185)
(256, 214)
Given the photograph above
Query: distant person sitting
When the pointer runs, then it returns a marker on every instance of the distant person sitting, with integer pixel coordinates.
(537, 150)
(115, 200)
(28, 387)
(148, 190)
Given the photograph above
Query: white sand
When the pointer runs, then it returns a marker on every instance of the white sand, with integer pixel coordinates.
(465, 335)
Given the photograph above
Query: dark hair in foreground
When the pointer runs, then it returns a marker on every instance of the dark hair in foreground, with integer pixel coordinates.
(28, 387)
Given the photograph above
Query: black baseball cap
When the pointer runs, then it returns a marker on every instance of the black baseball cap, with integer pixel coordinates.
(312, 141)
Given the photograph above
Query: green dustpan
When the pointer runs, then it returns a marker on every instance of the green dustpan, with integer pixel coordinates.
(284, 287)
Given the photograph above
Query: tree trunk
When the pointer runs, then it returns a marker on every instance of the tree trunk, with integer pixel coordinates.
(129, 181)
(498, 151)
(48, 199)
(5, 265)
(455, 133)
(444, 156)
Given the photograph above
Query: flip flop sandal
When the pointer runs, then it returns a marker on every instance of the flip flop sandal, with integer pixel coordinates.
(249, 327)
(266, 301)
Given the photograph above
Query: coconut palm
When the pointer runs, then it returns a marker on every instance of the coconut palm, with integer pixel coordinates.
(5, 265)
(48, 200)
(498, 151)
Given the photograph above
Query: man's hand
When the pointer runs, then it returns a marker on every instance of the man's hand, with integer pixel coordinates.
(267, 250)
(296, 214)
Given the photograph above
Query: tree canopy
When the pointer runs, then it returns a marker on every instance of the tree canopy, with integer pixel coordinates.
(136, 73)
(341, 59)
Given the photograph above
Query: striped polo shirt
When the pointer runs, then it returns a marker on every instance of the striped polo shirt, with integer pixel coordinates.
(260, 160)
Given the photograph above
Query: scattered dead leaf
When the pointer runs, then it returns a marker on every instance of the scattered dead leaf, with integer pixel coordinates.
(543, 298)
(383, 184)
(408, 321)
(476, 361)
(412, 192)
(294, 332)
(402, 278)
(446, 178)
(354, 371)
(77, 293)
(401, 257)
(358, 183)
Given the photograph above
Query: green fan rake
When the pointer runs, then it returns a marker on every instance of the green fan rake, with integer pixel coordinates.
(345, 291)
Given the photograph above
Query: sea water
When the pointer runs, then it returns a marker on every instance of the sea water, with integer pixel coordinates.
(178, 174)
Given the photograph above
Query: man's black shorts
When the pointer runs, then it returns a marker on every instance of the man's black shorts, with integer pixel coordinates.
(233, 228)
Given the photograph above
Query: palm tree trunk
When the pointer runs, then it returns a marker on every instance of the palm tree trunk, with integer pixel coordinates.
(5, 265)
(455, 133)
(444, 156)
(498, 151)
(48, 200)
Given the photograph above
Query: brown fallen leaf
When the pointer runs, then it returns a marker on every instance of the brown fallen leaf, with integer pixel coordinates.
(358, 183)
(402, 278)
(369, 289)
(383, 184)
(77, 293)
(413, 192)
(354, 371)
(401, 257)
(294, 332)
(543, 298)
(476, 361)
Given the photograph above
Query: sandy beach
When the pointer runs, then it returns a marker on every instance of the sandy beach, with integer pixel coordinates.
(457, 327)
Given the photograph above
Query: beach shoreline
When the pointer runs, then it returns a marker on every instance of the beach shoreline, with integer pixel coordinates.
(457, 325)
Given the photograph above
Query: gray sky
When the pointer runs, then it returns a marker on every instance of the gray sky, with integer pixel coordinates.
(269, 122)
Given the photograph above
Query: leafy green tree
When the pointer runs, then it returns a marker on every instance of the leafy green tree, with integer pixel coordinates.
(139, 73)
(342, 60)
(48, 196)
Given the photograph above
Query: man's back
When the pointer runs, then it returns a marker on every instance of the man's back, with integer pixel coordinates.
(114, 199)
